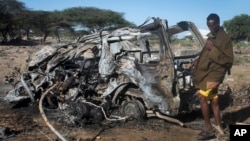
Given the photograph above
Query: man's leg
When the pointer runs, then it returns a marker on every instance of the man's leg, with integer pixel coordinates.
(205, 112)
(217, 117)
(208, 132)
(216, 111)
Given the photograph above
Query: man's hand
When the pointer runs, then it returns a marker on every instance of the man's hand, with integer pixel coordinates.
(193, 64)
(209, 45)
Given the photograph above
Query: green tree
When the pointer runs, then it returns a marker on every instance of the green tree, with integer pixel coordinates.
(9, 11)
(239, 27)
(16, 20)
(95, 19)
(42, 23)
(59, 23)
(25, 22)
(48, 23)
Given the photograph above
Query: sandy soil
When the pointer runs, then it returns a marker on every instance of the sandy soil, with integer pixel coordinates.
(27, 124)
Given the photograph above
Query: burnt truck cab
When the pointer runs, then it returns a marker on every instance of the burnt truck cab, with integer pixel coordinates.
(128, 73)
(152, 68)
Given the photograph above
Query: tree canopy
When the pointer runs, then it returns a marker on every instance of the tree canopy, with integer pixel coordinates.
(95, 19)
(10, 10)
(16, 20)
(239, 27)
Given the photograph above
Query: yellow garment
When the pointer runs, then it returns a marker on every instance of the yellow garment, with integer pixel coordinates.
(209, 94)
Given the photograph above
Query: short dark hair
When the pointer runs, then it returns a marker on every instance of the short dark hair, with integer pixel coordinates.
(213, 16)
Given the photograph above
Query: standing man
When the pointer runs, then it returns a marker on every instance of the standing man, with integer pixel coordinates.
(214, 62)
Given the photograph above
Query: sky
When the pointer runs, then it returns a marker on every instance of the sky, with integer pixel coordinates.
(137, 11)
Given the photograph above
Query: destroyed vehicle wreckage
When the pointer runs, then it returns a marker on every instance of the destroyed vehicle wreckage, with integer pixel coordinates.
(126, 74)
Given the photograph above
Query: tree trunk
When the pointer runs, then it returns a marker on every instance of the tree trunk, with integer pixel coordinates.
(45, 37)
(57, 36)
(5, 37)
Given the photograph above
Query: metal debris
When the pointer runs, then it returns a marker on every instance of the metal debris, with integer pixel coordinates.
(125, 74)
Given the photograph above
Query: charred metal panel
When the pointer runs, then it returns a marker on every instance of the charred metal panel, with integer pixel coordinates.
(105, 73)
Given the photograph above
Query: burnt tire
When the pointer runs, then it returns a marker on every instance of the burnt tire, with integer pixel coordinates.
(133, 109)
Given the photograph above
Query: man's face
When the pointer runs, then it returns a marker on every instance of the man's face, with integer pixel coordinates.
(213, 26)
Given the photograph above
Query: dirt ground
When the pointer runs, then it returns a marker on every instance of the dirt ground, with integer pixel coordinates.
(27, 124)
